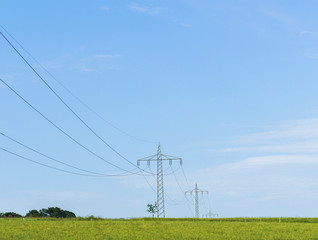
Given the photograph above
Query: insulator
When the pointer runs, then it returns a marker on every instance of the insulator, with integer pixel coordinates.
(148, 163)
(138, 163)
(170, 162)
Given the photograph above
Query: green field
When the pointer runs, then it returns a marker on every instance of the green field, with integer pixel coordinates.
(240, 228)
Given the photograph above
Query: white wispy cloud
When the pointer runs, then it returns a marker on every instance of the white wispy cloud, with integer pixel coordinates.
(8, 78)
(301, 140)
(105, 8)
(280, 17)
(272, 177)
(162, 12)
(311, 53)
(292, 130)
(284, 20)
(185, 24)
(52, 65)
(308, 33)
(86, 63)
(145, 9)
(279, 162)
(85, 69)
(92, 67)
(103, 56)
(310, 147)
(97, 63)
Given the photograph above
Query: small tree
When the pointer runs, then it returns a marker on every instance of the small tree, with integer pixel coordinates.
(56, 212)
(33, 213)
(152, 208)
(11, 215)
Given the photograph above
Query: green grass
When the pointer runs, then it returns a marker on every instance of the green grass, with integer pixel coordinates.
(235, 228)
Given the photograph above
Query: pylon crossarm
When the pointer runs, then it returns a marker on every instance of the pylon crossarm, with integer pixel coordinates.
(203, 191)
(151, 158)
(171, 157)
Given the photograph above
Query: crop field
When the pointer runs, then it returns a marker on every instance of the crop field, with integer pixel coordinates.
(240, 228)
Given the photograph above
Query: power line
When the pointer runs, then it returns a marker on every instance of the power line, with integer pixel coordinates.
(152, 188)
(180, 188)
(66, 105)
(73, 95)
(185, 177)
(175, 177)
(58, 161)
(61, 130)
(48, 166)
(149, 182)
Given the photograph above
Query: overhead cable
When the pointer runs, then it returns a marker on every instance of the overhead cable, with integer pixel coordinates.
(51, 167)
(58, 161)
(61, 130)
(66, 105)
(73, 95)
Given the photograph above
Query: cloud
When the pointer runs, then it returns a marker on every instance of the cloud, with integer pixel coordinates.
(8, 78)
(164, 13)
(88, 63)
(308, 33)
(279, 162)
(97, 63)
(105, 8)
(291, 137)
(96, 67)
(286, 22)
(185, 24)
(311, 53)
(280, 17)
(277, 159)
(103, 56)
(310, 147)
(85, 69)
(145, 9)
(52, 65)
(265, 177)
(299, 129)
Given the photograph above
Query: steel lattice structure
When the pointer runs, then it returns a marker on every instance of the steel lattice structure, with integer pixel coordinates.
(159, 158)
(196, 192)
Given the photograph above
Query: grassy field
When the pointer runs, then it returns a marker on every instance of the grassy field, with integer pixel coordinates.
(240, 228)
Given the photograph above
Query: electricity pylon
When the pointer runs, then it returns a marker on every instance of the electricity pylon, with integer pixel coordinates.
(196, 192)
(210, 214)
(159, 158)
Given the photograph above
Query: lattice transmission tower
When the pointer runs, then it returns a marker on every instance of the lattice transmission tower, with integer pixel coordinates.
(196, 192)
(160, 158)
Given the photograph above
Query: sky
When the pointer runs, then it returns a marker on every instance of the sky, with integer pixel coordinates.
(228, 86)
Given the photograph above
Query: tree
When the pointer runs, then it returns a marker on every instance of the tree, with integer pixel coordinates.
(11, 215)
(33, 213)
(56, 212)
(152, 208)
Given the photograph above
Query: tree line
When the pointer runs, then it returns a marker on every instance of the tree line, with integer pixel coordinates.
(53, 212)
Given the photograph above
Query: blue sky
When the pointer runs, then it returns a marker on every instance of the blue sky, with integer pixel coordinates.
(229, 86)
